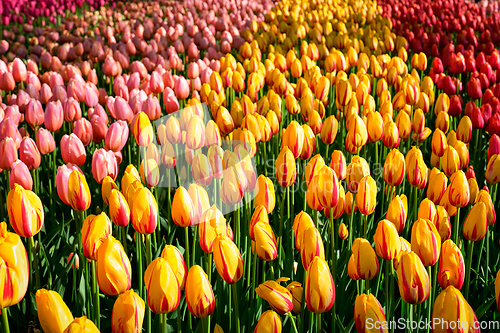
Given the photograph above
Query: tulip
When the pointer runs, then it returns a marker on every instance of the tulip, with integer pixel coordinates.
(293, 138)
(367, 309)
(425, 241)
(73, 150)
(357, 132)
(233, 184)
(413, 279)
(397, 212)
(53, 119)
(25, 210)
(450, 306)
(144, 211)
(95, 229)
(199, 294)
(183, 213)
(119, 210)
(174, 258)
(329, 130)
(327, 188)
(78, 191)
(163, 289)
(104, 164)
(278, 297)
(375, 126)
(416, 168)
(265, 194)
(116, 136)
(29, 154)
(224, 121)
(463, 154)
(356, 171)
(199, 198)
(451, 266)
(387, 242)
(142, 130)
(476, 222)
(459, 193)
(313, 166)
(367, 195)
(19, 174)
(269, 322)
(53, 313)
(285, 168)
(363, 263)
(343, 231)
(311, 246)
(301, 223)
(265, 241)
(484, 196)
(128, 313)
(113, 267)
(44, 141)
(492, 173)
(320, 288)
(343, 92)
(464, 129)
(228, 260)
(8, 153)
(14, 268)
(82, 324)
(439, 143)
(394, 168)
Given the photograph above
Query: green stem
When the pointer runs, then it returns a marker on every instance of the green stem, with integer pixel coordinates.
(95, 291)
(186, 246)
(350, 223)
(236, 308)
(429, 301)
(280, 234)
(457, 226)
(148, 261)
(386, 290)
(124, 239)
(318, 323)
(179, 330)
(35, 262)
(138, 241)
(365, 227)
(468, 269)
(293, 322)
(5, 321)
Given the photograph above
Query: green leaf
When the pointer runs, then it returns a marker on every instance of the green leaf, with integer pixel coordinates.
(481, 311)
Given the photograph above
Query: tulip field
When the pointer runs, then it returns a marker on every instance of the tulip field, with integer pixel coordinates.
(249, 166)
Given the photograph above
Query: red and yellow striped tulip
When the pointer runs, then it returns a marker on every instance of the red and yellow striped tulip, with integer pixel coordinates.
(114, 272)
(451, 266)
(367, 309)
(164, 293)
(26, 213)
(53, 314)
(320, 288)
(95, 229)
(278, 297)
(128, 313)
(387, 242)
(413, 279)
(78, 191)
(199, 294)
(227, 258)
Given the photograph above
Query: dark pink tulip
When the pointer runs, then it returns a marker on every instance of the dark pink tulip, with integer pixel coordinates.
(71, 109)
(7, 82)
(53, 116)
(20, 174)
(152, 108)
(34, 113)
(156, 84)
(8, 153)
(45, 93)
(62, 178)
(29, 153)
(104, 164)
(72, 149)
(170, 101)
(83, 130)
(117, 136)
(45, 141)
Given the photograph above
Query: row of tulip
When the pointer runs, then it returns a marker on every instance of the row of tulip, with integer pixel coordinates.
(309, 162)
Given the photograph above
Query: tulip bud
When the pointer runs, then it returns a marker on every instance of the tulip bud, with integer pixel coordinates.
(78, 191)
(451, 266)
(367, 309)
(265, 195)
(356, 170)
(476, 223)
(363, 263)
(413, 279)
(269, 322)
(228, 260)
(95, 229)
(397, 212)
(128, 313)
(25, 210)
(311, 246)
(387, 242)
(162, 287)
(53, 313)
(416, 168)
(144, 211)
(278, 297)
(286, 172)
(199, 293)
(492, 172)
(366, 198)
(265, 241)
(459, 194)
(425, 241)
(451, 306)
(182, 208)
(329, 130)
(320, 288)
(394, 168)
(113, 267)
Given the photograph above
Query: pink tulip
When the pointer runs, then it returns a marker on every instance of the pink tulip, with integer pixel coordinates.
(7, 82)
(19, 70)
(170, 101)
(29, 153)
(152, 108)
(71, 109)
(23, 99)
(20, 174)
(13, 113)
(34, 113)
(8, 153)
(121, 110)
(76, 90)
(117, 136)
(193, 70)
(91, 95)
(134, 81)
(181, 88)
(33, 91)
(59, 93)
(53, 116)
(62, 178)
(8, 129)
(45, 141)
(83, 130)
(72, 149)
(45, 93)
(104, 164)
(156, 84)
(99, 127)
